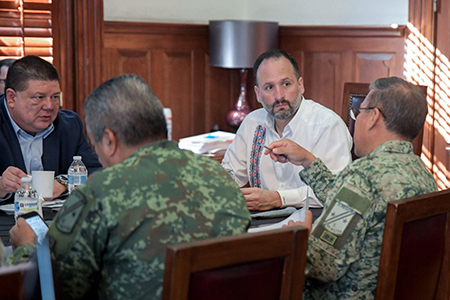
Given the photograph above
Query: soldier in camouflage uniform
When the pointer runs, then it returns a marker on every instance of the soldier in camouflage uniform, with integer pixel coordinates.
(109, 239)
(345, 242)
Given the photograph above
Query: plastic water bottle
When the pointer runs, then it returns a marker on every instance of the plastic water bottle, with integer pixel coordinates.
(77, 173)
(26, 198)
(168, 115)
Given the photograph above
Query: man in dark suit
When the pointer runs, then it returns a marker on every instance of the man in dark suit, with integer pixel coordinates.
(4, 66)
(34, 133)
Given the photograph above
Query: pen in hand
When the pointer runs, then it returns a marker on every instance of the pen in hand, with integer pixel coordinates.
(276, 154)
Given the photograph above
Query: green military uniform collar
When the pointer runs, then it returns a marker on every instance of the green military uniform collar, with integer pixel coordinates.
(165, 144)
(401, 147)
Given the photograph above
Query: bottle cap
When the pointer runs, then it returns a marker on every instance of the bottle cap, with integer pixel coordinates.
(77, 157)
(26, 179)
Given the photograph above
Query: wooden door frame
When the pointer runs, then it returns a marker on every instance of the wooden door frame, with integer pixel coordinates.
(77, 48)
(422, 16)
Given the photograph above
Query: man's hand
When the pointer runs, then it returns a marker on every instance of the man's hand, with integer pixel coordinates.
(10, 180)
(307, 223)
(259, 199)
(22, 234)
(291, 151)
(58, 189)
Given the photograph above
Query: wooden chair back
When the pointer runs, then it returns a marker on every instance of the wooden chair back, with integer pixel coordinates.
(264, 266)
(30, 281)
(19, 282)
(415, 254)
(354, 95)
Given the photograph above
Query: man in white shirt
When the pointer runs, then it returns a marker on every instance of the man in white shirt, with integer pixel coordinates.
(286, 115)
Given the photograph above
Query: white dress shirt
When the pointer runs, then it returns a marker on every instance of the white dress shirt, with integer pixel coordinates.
(314, 127)
(31, 145)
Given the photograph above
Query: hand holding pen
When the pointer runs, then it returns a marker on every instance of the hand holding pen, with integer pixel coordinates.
(284, 151)
(282, 155)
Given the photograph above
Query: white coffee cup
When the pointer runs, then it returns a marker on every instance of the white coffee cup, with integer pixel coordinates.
(43, 183)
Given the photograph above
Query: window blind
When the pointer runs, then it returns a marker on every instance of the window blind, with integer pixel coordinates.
(26, 28)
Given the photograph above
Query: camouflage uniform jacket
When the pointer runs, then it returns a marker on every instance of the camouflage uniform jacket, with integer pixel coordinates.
(345, 242)
(109, 239)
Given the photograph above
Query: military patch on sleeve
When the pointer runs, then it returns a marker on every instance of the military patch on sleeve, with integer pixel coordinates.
(70, 212)
(328, 237)
(341, 217)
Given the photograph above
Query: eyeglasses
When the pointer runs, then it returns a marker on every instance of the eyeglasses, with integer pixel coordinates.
(354, 111)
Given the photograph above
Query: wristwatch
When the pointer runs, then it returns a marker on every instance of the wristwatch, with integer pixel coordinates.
(62, 179)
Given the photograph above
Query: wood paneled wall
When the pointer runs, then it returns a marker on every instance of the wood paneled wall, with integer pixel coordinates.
(173, 59)
(330, 56)
(77, 46)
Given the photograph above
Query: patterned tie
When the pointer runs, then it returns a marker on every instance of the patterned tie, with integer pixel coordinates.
(255, 156)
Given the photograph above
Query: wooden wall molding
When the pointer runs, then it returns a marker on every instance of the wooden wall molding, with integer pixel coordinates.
(341, 31)
(315, 31)
(155, 28)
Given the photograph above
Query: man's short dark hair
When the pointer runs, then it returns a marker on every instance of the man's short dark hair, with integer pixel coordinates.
(127, 106)
(403, 104)
(276, 53)
(29, 68)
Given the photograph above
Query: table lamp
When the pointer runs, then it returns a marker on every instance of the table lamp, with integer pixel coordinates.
(236, 45)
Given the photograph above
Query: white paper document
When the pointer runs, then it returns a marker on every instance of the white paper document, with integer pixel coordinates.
(296, 216)
(213, 142)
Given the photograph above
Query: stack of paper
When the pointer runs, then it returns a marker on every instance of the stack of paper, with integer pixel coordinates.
(213, 142)
(298, 215)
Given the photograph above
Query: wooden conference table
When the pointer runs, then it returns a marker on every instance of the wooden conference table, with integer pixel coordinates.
(7, 220)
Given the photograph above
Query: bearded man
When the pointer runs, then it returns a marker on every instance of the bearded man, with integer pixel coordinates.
(268, 185)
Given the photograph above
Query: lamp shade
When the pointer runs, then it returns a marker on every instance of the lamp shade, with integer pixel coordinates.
(237, 44)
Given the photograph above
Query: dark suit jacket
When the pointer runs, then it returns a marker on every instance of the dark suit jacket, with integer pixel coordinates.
(59, 147)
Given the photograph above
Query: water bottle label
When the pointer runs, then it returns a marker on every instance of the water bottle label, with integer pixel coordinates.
(77, 179)
(71, 180)
(25, 206)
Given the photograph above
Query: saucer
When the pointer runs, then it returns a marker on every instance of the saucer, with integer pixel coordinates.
(8, 209)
